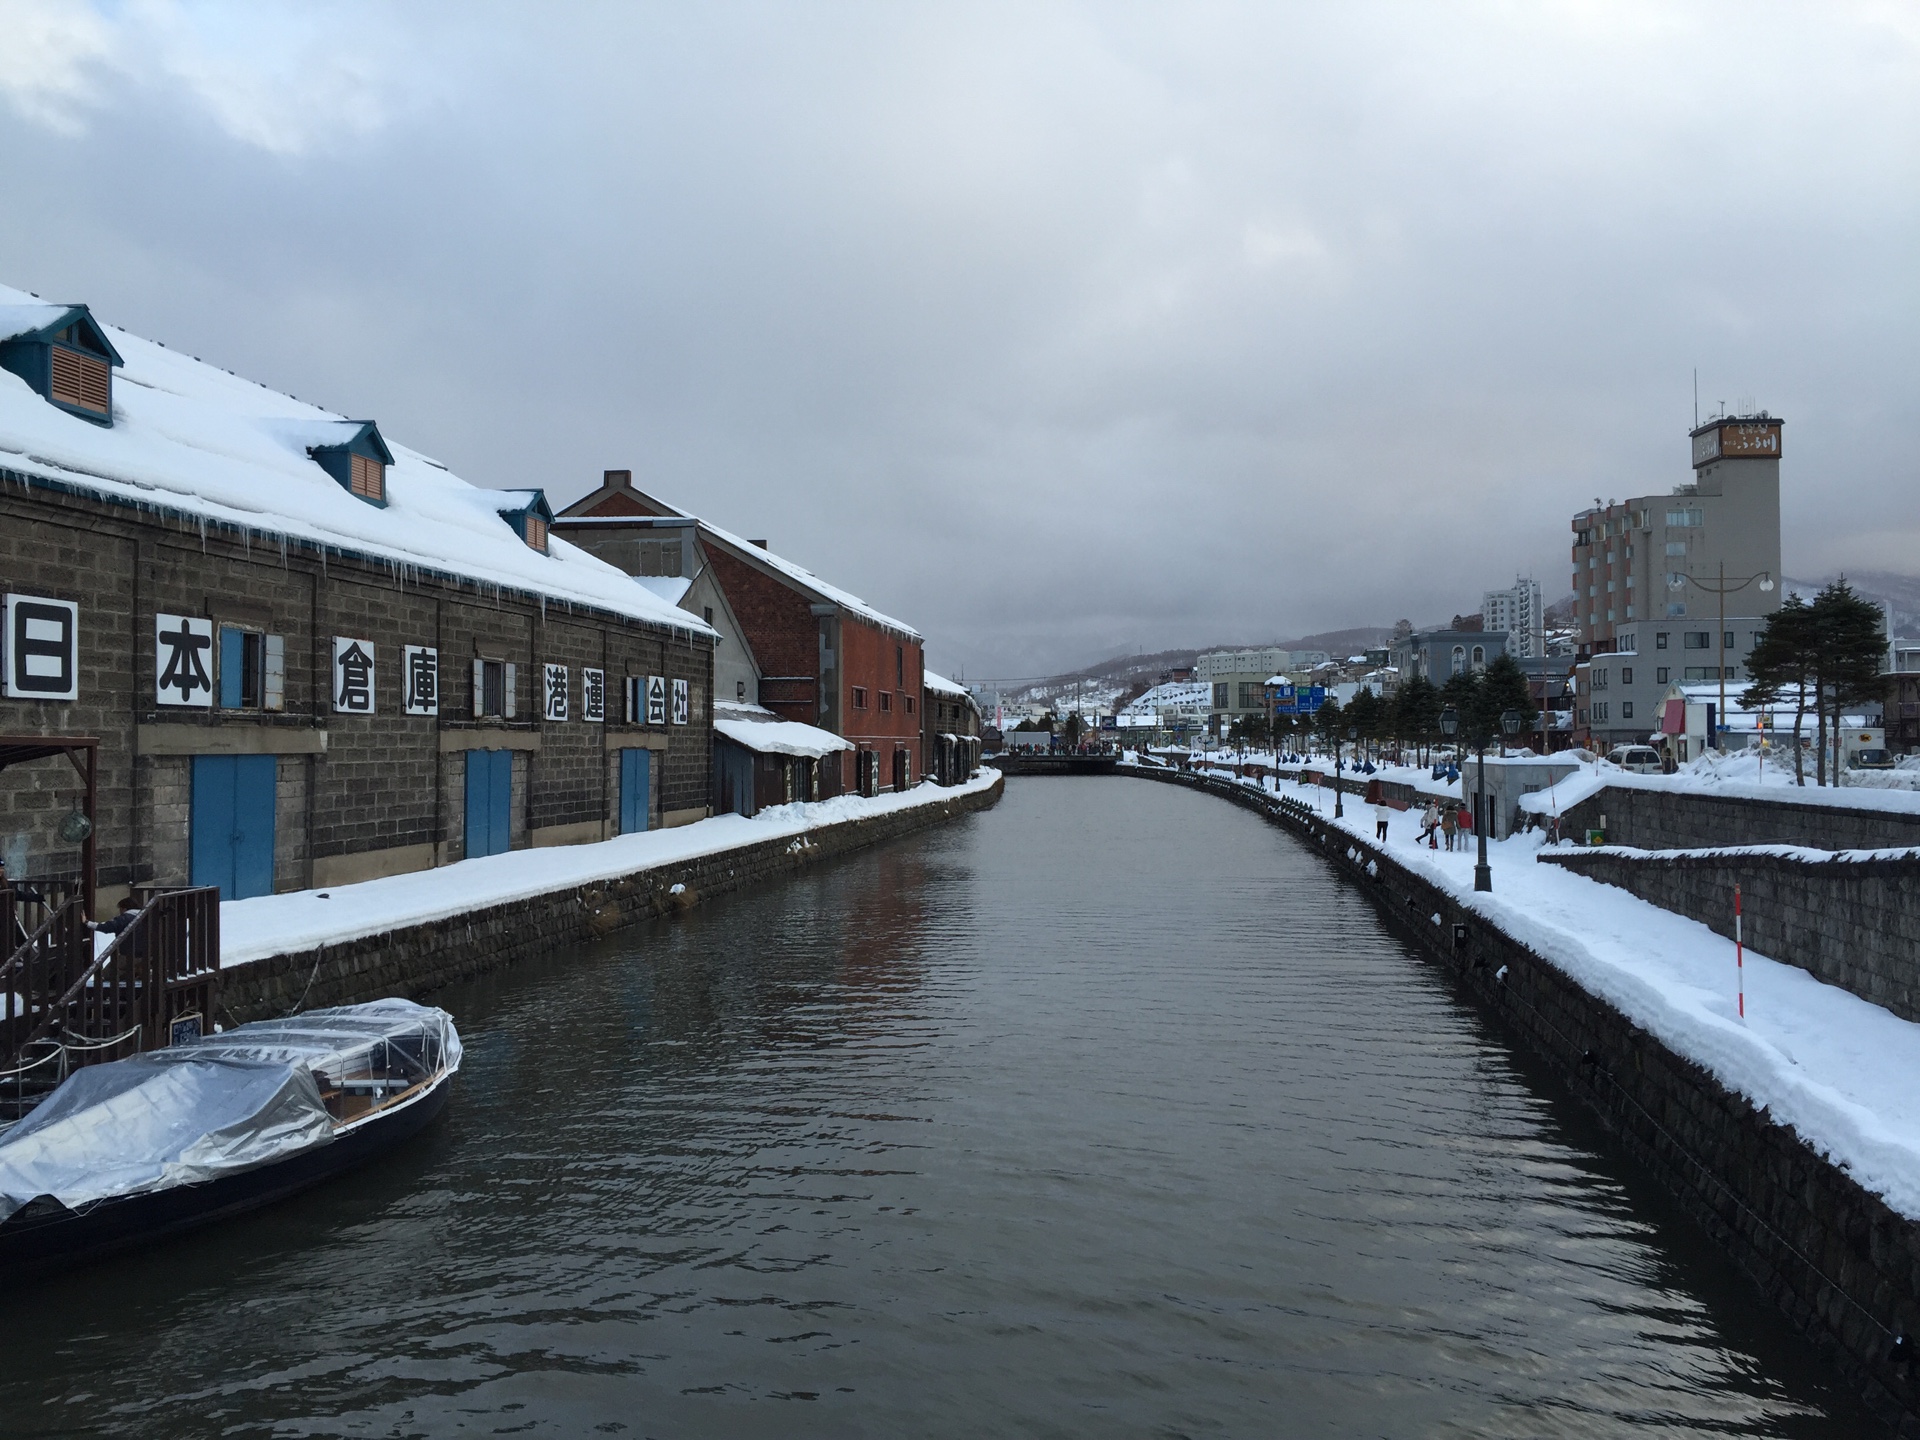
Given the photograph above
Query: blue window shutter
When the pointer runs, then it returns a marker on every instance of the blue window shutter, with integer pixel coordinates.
(233, 649)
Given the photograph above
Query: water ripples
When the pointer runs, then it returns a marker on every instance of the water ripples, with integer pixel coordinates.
(1107, 1112)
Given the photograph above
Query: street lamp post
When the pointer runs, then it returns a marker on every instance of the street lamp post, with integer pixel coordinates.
(1337, 812)
(1723, 589)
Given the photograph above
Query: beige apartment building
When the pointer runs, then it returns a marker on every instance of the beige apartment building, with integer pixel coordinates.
(1648, 575)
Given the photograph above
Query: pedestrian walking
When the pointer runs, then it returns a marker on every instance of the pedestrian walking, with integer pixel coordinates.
(1430, 826)
(1449, 823)
(1382, 812)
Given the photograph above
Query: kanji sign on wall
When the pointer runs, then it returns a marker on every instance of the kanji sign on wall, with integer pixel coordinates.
(421, 677)
(593, 695)
(183, 661)
(352, 676)
(41, 646)
(682, 707)
(554, 693)
(656, 700)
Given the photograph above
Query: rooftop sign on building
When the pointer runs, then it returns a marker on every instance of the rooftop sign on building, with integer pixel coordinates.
(1737, 437)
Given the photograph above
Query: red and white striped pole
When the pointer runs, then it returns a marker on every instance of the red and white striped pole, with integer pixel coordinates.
(1739, 954)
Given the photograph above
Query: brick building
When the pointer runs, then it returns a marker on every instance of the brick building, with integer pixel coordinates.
(309, 657)
(788, 640)
(949, 729)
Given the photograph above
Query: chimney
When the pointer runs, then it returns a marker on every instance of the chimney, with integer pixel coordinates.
(617, 479)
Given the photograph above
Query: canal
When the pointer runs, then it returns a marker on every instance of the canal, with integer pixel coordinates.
(1106, 1112)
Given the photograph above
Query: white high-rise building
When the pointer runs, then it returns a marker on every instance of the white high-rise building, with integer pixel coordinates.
(1516, 613)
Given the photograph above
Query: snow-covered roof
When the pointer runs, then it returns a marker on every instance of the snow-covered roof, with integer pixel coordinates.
(670, 588)
(190, 439)
(942, 684)
(759, 729)
(760, 555)
(28, 316)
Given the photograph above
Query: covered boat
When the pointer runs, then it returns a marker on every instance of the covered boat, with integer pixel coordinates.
(135, 1149)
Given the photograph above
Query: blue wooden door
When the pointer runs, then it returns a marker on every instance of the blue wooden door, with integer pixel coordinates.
(230, 833)
(489, 802)
(636, 790)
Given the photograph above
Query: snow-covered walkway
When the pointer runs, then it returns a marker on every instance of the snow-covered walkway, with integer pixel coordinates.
(280, 924)
(1841, 1071)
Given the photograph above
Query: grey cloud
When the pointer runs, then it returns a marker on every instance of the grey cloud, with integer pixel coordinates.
(1056, 329)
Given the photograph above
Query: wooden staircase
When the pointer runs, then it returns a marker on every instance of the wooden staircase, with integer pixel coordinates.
(66, 1001)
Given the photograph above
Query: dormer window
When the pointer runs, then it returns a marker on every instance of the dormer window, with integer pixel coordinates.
(359, 462)
(530, 516)
(63, 354)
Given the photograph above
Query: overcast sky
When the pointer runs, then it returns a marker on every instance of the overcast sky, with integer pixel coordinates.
(1058, 330)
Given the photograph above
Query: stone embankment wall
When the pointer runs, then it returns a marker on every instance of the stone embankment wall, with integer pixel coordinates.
(1834, 1257)
(1851, 922)
(1663, 819)
(421, 958)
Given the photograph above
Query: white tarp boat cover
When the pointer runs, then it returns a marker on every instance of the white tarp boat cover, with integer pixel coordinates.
(230, 1102)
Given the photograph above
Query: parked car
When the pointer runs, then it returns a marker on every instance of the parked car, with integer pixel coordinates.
(1636, 759)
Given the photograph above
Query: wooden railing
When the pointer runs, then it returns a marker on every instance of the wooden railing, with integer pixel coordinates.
(26, 904)
(155, 983)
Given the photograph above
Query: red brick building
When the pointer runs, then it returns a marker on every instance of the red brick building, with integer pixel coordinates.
(789, 641)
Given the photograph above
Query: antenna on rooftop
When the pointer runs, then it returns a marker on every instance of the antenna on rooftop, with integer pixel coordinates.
(1696, 397)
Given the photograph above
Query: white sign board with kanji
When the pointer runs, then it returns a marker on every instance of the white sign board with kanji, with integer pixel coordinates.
(420, 675)
(554, 693)
(352, 676)
(183, 661)
(682, 708)
(41, 649)
(593, 695)
(656, 700)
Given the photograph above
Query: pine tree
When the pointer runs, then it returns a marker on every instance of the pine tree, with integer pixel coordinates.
(1364, 714)
(1329, 721)
(1786, 655)
(1416, 712)
(1504, 687)
(1852, 647)
(1461, 694)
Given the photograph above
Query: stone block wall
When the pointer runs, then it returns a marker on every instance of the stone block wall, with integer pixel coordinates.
(1852, 923)
(1835, 1258)
(355, 792)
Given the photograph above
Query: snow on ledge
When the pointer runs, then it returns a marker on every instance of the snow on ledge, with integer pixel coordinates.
(757, 728)
(283, 924)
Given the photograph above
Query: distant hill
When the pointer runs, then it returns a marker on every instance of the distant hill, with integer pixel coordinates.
(1882, 587)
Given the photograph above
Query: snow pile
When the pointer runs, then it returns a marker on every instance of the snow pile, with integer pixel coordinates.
(190, 439)
(280, 924)
(1740, 776)
(758, 728)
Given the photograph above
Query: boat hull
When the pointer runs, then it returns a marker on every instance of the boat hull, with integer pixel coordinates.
(36, 1242)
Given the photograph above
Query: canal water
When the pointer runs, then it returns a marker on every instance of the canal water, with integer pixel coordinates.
(1106, 1112)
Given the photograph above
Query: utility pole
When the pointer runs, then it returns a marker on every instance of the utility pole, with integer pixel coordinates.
(1723, 589)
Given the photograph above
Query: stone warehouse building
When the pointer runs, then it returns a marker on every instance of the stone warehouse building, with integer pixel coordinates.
(308, 655)
(789, 641)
